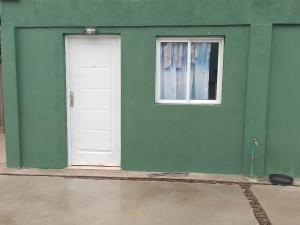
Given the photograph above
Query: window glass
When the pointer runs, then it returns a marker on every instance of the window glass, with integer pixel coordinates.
(173, 70)
(204, 70)
(189, 70)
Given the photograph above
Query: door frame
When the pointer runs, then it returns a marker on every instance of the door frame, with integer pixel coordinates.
(67, 96)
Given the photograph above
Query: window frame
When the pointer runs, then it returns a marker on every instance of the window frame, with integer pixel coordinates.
(189, 40)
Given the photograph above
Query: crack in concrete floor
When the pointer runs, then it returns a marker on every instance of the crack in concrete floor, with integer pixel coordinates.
(259, 212)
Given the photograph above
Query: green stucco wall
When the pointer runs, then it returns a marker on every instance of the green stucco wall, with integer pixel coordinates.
(41, 89)
(283, 146)
(196, 138)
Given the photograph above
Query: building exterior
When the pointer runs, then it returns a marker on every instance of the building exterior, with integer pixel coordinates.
(153, 85)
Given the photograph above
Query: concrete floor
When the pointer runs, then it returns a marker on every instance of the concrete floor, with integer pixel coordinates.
(65, 201)
(282, 204)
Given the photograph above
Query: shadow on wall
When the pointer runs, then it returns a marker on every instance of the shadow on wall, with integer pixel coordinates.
(1, 99)
(2, 139)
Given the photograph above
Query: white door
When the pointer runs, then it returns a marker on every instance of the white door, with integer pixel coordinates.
(93, 100)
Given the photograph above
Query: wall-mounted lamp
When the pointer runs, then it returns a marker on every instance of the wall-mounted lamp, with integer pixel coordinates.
(90, 30)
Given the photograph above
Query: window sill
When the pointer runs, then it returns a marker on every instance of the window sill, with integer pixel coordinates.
(200, 102)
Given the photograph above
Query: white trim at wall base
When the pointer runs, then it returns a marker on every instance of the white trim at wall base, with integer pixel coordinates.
(101, 168)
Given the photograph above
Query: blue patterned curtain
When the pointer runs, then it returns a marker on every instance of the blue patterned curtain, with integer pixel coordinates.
(173, 70)
(173, 56)
(200, 62)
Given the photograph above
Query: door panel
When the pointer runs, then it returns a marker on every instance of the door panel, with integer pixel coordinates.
(94, 106)
(95, 120)
(95, 140)
(89, 78)
(95, 99)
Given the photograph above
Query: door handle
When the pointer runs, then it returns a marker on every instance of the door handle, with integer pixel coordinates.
(71, 99)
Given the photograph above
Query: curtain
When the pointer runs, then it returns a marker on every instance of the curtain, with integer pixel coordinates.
(200, 62)
(173, 58)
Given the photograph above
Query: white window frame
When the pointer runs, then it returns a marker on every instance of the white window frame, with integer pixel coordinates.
(218, 99)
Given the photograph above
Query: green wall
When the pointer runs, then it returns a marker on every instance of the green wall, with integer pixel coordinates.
(283, 146)
(196, 138)
(41, 89)
(181, 137)
(154, 137)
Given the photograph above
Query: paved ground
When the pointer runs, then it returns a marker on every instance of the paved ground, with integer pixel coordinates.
(282, 204)
(65, 201)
